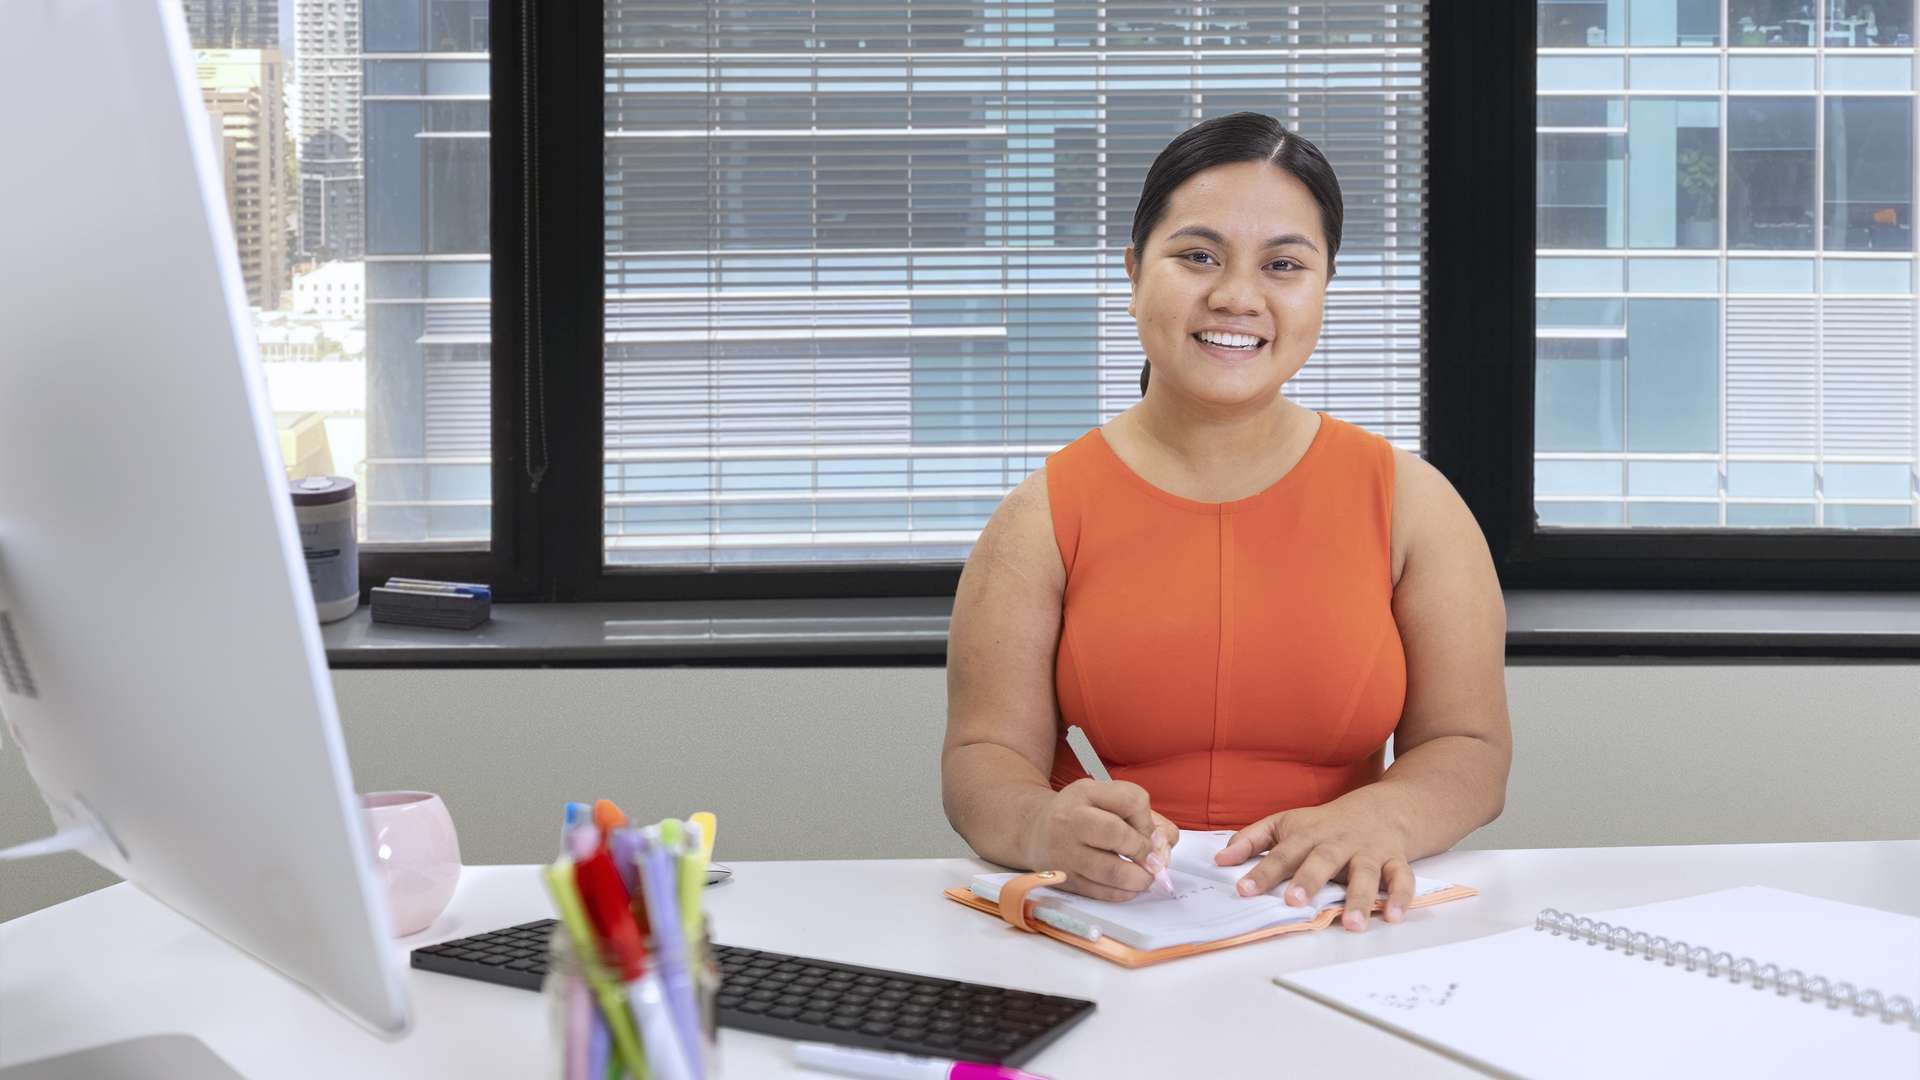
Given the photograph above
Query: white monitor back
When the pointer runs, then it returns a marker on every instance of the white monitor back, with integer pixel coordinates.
(163, 668)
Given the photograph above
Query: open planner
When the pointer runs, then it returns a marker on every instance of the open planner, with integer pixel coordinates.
(1204, 913)
(1746, 982)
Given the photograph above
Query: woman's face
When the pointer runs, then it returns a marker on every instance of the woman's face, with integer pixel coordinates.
(1239, 250)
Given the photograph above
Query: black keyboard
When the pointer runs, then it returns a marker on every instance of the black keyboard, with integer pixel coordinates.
(796, 997)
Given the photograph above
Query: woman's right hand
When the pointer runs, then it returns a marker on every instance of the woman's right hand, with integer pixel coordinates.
(1085, 828)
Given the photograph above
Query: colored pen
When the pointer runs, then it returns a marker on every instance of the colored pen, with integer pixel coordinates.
(625, 846)
(577, 812)
(580, 1013)
(881, 1065)
(693, 878)
(607, 905)
(1082, 748)
(444, 588)
(709, 832)
(607, 815)
(599, 1047)
(582, 840)
(1053, 917)
(657, 881)
(559, 879)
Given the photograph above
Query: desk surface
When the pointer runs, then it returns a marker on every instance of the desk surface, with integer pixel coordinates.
(114, 964)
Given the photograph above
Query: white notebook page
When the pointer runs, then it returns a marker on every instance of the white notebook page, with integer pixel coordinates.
(1528, 1003)
(1204, 906)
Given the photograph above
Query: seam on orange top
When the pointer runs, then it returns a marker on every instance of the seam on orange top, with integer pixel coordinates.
(1223, 665)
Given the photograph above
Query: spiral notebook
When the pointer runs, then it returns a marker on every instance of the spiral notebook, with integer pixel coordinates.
(1748, 982)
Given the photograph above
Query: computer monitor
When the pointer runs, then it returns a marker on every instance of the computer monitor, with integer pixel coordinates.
(160, 660)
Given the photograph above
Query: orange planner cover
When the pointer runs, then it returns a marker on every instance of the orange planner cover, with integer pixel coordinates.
(1016, 908)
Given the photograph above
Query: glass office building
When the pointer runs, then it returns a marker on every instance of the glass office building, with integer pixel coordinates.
(428, 287)
(1726, 296)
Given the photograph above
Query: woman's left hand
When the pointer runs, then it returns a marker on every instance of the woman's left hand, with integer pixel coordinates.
(1317, 844)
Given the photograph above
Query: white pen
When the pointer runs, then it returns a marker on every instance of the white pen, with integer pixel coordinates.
(884, 1065)
(1082, 748)
(1059, 920)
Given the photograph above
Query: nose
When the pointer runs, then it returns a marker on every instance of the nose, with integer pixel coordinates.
(1235, 294)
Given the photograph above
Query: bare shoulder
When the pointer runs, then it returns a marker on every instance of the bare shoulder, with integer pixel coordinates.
(1429, 516)
(1019, 539)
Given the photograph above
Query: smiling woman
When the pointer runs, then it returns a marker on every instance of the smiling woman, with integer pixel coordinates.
(1240, 600)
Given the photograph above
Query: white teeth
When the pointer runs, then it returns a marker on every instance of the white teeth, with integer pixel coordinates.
(1235, 341)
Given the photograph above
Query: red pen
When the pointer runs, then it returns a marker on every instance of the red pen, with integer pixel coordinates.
(605, 898)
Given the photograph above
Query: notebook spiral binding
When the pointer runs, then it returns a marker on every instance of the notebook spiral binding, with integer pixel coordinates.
(1890, 1009)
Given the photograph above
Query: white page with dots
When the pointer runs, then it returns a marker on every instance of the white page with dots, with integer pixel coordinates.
(1531, 1003)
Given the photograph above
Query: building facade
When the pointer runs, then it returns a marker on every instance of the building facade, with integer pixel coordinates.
(233, 24)
(1726, 288)
(428, 271)
(332, 169)
(242, 88)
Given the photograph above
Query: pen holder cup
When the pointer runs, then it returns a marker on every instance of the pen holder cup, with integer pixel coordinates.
(571, 1003)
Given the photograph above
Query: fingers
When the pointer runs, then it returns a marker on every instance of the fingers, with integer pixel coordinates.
(1126, 801)
(1363, 886)
(1258, 836)
(1398, 877)
(1108, 871)
(1276, 867)
(1094, 890)
(1165, 834)
(1100, 829)
(1313, 873)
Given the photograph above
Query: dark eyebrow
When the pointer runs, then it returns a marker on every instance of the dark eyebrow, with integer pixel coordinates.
(1283, 240)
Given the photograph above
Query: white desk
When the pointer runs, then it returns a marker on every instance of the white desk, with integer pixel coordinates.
(114, 964)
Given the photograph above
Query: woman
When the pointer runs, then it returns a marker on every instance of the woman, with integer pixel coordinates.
(1238, 599)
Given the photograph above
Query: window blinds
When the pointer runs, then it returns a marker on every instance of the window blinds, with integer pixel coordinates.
(863, 259)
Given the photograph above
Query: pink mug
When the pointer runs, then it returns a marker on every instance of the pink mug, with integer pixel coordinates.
(417, 852)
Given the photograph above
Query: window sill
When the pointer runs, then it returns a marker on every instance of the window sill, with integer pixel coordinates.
(1540, 624)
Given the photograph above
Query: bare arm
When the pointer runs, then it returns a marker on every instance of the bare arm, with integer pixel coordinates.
(1002, 720)
(1001, 713)
(1453, 746)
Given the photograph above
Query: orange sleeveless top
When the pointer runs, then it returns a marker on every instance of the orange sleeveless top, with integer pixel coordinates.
(1235, 659)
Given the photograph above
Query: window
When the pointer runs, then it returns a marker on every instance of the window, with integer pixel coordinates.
(863, 260)
(358, 186)
(1730, 369)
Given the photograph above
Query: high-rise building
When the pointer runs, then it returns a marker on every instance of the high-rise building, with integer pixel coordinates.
(1726, 277)
(332, 168)
(242, 88)
(233, 24)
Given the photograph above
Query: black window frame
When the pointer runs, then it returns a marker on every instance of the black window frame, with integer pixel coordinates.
(1478, 343)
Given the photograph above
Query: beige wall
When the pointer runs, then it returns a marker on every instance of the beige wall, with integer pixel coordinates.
(841, 762)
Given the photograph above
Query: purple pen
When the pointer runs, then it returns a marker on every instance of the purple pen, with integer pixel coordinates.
(624, 846)
(660, 883)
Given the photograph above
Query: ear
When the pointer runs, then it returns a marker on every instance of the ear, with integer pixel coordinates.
(1133, 282)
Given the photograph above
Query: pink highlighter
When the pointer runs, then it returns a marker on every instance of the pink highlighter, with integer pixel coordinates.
(882, 1065)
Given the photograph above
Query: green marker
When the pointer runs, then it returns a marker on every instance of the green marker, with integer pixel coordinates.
(613, 1003)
